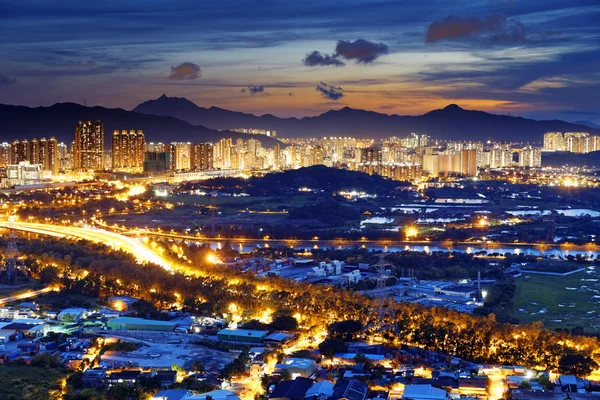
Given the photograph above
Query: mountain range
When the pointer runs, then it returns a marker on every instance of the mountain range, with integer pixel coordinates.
(170, 119)
(59, 120)
(449, 123)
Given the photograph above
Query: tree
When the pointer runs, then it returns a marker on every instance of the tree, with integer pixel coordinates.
(330, 346)
(197, 366)
(346, 330)
(284, 323)
(49, 275)
(576, 364)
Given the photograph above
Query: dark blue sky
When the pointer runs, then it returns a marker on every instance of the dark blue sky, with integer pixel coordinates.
(538, 58)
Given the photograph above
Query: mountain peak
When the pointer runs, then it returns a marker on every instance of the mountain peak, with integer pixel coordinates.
(453, 107)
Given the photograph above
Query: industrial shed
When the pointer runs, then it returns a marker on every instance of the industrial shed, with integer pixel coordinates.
(140, 324)
(242, 335)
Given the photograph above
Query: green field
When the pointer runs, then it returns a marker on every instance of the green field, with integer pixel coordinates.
(568, 301)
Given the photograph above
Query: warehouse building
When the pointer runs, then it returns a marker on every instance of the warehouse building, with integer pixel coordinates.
(140, 324)
(242, 335)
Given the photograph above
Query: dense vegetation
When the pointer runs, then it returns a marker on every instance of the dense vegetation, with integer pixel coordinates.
(210, 289)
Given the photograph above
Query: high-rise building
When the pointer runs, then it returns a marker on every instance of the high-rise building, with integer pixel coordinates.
(501, 156)
(41, 152)
(5, 158)
(577, 142)
(222, 153)
(468, 162)
(48, 155)
(530, 157)
(554, 141)
(202, 157)
(128, 150)
(181, 156)
(19, 151)
(88, 146)
(157, 161)
(64, 163)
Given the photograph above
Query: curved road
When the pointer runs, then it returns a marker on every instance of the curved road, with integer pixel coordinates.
(120, 242)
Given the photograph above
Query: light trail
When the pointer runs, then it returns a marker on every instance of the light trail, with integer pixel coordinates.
(120, 242)
(27, 295)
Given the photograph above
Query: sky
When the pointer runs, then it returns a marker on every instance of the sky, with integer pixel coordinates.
(535, 58)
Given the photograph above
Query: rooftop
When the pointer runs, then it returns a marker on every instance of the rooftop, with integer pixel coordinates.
(243, 332)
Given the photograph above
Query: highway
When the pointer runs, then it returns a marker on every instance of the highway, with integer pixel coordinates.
(129, 245)
(27, 295)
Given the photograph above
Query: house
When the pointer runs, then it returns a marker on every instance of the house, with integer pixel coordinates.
(93, 378)
(568, 383)
(475, 386)
(166, 378)
(320, 391)
(291, 390)
(351, 389)
(214, 395)
(171, 394)
(524, 394)
(127, 377)
(424, 392)
(303, 367)
(278, 338)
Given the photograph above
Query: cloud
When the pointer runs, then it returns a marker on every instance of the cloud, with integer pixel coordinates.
(363, 51)
(330, 92)
(316, 58)
(5, 80)
(496, 28)
(185, 70)
(253, 89)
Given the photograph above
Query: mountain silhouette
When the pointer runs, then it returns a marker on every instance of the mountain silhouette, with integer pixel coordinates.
(59, 120)
(449, 123)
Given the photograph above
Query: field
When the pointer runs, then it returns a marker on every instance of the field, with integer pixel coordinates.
(559, 301)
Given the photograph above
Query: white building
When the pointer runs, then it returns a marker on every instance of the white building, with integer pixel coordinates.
(23, 173)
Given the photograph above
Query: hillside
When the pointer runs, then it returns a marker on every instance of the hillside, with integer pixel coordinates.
(59, 120)
(449, 123)
(558, 159)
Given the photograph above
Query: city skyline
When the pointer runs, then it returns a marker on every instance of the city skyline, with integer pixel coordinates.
(522, 58)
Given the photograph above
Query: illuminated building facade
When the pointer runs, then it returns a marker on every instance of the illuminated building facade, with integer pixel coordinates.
(88, 146)
(128, 150)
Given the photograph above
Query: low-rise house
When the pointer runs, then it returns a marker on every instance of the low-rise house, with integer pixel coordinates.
(298, 367)
(291, 390)
(351, 389)
(127, 377)
(475, 386)
(278, 338)
(166, 378)
(424, 392)
(93, 378)
(320, 391)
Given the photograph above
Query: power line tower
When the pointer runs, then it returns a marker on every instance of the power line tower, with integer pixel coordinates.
(382, 317)
(11, 256)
